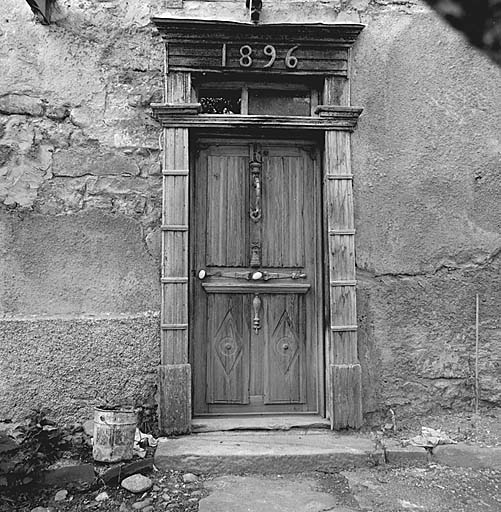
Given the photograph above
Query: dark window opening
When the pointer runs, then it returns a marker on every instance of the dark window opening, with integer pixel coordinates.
(220, 102)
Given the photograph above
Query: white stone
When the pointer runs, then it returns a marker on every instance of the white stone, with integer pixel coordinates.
(88, 427)
(102, 496)
(137, 483)
(189, 478)
(61, 495)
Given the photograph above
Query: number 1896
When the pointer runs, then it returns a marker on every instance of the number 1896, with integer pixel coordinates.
(247, 56)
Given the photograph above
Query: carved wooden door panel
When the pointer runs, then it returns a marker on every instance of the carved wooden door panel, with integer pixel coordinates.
(255, 292)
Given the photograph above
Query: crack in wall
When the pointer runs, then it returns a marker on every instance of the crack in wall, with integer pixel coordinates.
(448, 267)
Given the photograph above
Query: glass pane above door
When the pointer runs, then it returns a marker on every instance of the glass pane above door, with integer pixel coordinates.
(279, 103)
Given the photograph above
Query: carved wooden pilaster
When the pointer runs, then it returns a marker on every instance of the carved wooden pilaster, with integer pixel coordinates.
(175, 371)
(343, 371)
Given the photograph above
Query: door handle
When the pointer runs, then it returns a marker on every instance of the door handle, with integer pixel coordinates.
(256, 212)
(256, 306)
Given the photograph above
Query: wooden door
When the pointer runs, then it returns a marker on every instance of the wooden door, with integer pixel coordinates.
(255, 293)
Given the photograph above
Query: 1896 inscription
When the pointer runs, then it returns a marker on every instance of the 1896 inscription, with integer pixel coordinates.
(247, 53)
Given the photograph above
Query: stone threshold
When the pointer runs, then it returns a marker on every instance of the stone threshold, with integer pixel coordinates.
(272, 452)
(258, 422)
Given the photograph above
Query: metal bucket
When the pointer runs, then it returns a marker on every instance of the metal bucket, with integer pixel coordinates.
(114, 431)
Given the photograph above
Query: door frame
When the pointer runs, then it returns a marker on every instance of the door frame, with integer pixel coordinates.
(229, 137)
(178, 115)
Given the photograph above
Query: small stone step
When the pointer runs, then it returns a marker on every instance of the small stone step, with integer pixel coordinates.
(262, 452)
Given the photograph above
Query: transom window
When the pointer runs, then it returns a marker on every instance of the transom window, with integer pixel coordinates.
(257, 98)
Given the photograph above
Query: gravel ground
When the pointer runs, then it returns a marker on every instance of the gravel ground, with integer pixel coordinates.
(431, 489)
(169, 493)
(383, 488)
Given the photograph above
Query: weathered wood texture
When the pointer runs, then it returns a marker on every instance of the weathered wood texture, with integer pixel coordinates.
(218, 46)
(174, 325)
(241, 366)
(347, 395)
(343, 118)
(175, 398)
(285, 345)
(343, 372)
(228, 350)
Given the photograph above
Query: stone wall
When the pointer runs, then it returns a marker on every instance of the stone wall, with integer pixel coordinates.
(80, 202)
(80, 195)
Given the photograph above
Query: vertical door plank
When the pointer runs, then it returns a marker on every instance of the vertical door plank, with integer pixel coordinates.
(284, 210)
(226, 210)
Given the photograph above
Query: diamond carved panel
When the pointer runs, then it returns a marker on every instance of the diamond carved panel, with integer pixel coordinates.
(285, 344)
(228, 343)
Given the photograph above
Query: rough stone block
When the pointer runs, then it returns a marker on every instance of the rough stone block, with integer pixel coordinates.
(70, 473)
(94, 161)
(466, 456)
(21, 104)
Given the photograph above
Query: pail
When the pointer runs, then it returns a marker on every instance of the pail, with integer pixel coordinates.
(114, 431)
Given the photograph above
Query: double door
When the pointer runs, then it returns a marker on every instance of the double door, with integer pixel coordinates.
(255, 305)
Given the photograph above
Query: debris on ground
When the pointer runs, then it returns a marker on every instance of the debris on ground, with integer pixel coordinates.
(429, 438)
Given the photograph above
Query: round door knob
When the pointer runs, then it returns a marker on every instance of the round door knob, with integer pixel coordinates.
(256, 276)
(202, 274)
(285, 346)
(228, 346)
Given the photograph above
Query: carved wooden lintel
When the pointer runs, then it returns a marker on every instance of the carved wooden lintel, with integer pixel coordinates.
(344, 119)
(224, 46)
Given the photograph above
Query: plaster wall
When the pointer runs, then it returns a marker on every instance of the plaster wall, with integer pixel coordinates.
(80, 195)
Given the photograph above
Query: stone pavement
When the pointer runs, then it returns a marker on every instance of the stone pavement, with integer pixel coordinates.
(275, 494)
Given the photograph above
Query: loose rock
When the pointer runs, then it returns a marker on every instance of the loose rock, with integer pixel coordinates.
(140, 505)
(137, 483)
(88, 427)
(149, 508)
(189, 478)
(102, 496)
(61, 495)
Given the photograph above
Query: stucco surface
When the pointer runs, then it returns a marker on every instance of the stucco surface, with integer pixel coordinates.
(86, 263)
(71, 365)
(80, 202)
(426, 159)
(426, 152)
